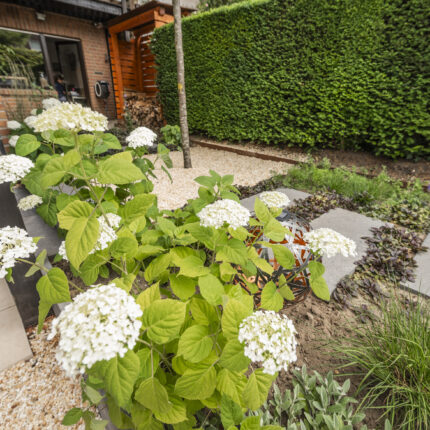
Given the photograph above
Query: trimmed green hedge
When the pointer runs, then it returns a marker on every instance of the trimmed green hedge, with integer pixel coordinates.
(343, 73)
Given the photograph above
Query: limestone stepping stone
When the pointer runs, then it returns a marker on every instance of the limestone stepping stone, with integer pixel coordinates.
(13, 339)
(352, 225)
(290, 192)
(422, 272)
(35, 226)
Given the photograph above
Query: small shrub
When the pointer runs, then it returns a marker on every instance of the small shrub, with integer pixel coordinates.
(394, 355)
(172, 136)
(316, 402)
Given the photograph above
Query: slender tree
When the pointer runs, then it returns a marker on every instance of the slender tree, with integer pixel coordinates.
(183, 121)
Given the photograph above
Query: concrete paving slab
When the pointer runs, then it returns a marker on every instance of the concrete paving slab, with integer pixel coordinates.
(352, 225)
(13, 339)
(6, 298)
(422, 272)
(35, 226)
(290, 192)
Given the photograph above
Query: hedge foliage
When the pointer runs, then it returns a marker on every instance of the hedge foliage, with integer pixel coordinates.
(344, 73)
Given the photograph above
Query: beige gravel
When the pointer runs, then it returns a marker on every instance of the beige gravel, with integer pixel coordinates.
(36, 394)
(246, 171)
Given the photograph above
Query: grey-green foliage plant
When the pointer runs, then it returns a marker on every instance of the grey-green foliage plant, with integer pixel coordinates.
(315, 402)
(172, 135)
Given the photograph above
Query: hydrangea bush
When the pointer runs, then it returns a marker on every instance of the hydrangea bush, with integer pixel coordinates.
(174, 331)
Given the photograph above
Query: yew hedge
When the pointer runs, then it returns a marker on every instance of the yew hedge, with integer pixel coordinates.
(314, 73)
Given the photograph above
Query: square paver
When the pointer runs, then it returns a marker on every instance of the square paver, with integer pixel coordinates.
(6, 298)
(422, 272)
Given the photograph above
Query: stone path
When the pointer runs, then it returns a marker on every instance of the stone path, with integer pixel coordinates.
(352, 225)
(13, 339)
(422, 280)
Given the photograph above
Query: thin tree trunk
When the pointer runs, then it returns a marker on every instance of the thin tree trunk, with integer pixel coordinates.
(183, 121)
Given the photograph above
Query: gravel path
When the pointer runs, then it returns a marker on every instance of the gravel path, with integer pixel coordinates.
(246, 171)
(36, 394)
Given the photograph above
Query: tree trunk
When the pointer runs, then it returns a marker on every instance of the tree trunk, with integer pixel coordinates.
(183, 121)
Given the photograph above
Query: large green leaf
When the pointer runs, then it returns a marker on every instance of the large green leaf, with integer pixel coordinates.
(111, 141)
(81, 239)
(26, 144)
(316, 269)
(231, 412)
(152, 394)
(148, 296)
(143, 418)
(320, 288)
(197, 384)
(176, 414)
(271, 299)
(234, 251)
(211, 289)
(182, 286)
(48, 210)
(71, 158)
(193, 267)
(232, 384)
(156, 267)
(233, 357)
(284, 256)
(54, 287)
(138, 206)
(53, 172)
(118, 171)
(195, 344)
(261, 210)
(257, 389)
(163, 320)
(234, 313)
(119, 375)
(203, 313)
(74, 210)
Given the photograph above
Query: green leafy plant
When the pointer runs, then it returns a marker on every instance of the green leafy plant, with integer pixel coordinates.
(172, 135)
(315, 402)
(350, 75)
(394, 356)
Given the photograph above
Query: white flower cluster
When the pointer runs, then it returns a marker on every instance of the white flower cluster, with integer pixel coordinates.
(13, 167)
(50, 102)
(325, 241)
(29, 202)
(70, 116)
(141, 136)
(269, 339)
(107, 234)
(13, 140)
(29, 121)
(224, 211)
(33, 111)
(14, 243)
(98, 325)
(13, 125)
(274, 199)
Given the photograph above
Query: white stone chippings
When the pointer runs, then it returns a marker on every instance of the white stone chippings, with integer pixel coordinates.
(13, 125)
(98, 325)
(107, 234)
(29, 202)
(13, 140)
(14, 167)
(50, 102)
(140, 137)
(14, 243)
(274, 199)
(327, 242)
(70, 116)
(224, 211)
(269, 339)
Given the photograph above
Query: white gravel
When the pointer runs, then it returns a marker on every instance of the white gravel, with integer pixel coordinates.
(246, 171)
(36, 394)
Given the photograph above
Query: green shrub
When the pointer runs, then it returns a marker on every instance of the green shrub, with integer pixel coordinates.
(394, 355)
(350, 74)
(315, 402)
(172, 135)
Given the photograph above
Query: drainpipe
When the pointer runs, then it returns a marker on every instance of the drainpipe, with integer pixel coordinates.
(124, 6)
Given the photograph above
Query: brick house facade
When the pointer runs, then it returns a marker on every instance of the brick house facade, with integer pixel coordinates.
(93, 49)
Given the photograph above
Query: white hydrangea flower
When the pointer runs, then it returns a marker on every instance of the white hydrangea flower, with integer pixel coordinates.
(13, 125)
(325, 241)
(14, 167)
(107, 234)
(70, 116)
(14, 243)
(29, 202)
(274, 199)
(224, 211)
(269, 339)
(98, 325)
(50, 102)
(13, 140)
(29, 121)
(33, 111)
(141, 136)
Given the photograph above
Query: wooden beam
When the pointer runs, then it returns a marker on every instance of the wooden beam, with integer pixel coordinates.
(132, 23)
(116, 66)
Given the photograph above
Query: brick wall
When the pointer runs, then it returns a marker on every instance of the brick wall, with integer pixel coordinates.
(94, 47)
